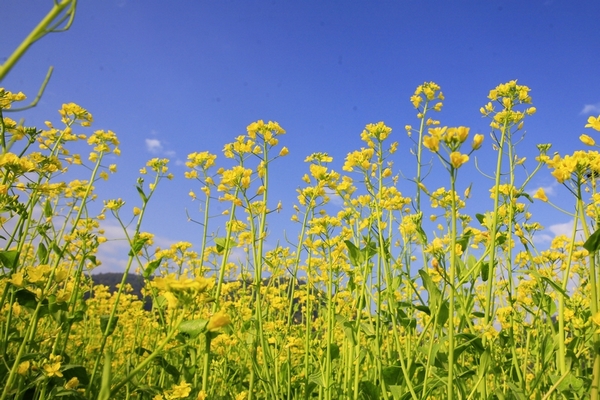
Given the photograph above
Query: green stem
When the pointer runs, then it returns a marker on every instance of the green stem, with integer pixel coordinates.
(37, 33)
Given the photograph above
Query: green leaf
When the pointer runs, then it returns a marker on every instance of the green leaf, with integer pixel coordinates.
(224, 244)
(334, 351)
(9, 258)
(555, 286)
(170, 369)
(141, 192)
(76, 371)
(480, 218)
(592, 244)
(106, 378)
(392, 375)
(526, 195)
(151, 267)
(140, 351)
(317, 378)
(350, 332)
(353, 253)
(485, 271)
(137, 245)
(25, 298)
(464, 240)
(434, 292)
(369, 390)
(104, 324)
(47, 209)
(193, 328)
(42, 253)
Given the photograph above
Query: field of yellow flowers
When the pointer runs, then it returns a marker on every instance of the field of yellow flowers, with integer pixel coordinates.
(386, 295)
(368, 303)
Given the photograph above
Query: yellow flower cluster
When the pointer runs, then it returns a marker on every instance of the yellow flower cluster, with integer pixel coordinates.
(576, 167)
(452, 138)
(7, 98)
(508, 95)
(377, 131)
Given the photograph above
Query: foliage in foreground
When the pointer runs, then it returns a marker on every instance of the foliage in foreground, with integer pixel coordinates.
(370, 302)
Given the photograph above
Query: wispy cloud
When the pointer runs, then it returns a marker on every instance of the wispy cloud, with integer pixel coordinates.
(154, 146)
(590, 109)
(565, 228)
(115, 251)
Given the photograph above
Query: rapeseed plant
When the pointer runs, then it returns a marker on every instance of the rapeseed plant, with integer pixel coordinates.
(390, 289)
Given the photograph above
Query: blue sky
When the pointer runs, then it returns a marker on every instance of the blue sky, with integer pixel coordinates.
(175, 77)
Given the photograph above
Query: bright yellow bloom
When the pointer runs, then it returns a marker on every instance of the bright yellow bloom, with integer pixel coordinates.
(540, 195)
(23, 368)
(457, 159)
(477, 140)
(72, 384)
(432, 143)
(587, 140)
(594, 123)
(284, 152)
(52, 370)
(217, 321)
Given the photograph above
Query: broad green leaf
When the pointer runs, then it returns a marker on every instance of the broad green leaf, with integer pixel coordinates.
(151, 267)
(106, 378)
(334, 351)
(193, 328)
(464, 240)
(592, 244)
(434, 292)
(480, 218)
(104, 324)
(9, 258)
(47, 209)
(526, 195)
(224, 244)
(169, 369)
(316, 378)
(137, 245)
(485, 271)
(369, 390)
(392, 375)
(25, 298)
(353, 253)
(76, 371)
(42, 253)
(141, 192)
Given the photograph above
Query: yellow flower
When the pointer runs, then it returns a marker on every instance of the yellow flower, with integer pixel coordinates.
(52, 370)
(72, 384)
(23, 368)
(457, 159)
(587, 140)
(596, 319)
(594, 123)
(181, 391)
(477, 140)
(17, 279)
(541, 195)
(217, 321)
(284, 152)
(432, 143)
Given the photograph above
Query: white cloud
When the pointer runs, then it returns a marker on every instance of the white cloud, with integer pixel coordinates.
(334, 198)
(590, 109)
(153, 146)
(567, 230)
